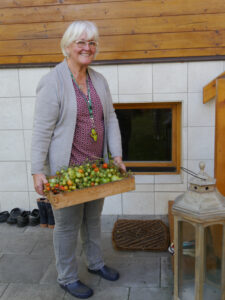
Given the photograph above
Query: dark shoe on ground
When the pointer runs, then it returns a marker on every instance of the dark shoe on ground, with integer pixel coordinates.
(4, 216)
(23, 219)
(34, 217)
(78, 289)
(41, 202)
(51, 220)
(12, 219)
(106, 273)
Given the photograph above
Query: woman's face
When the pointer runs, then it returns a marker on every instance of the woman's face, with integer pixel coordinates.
(81, 55)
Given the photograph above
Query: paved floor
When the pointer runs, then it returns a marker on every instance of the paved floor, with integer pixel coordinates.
(27, 268)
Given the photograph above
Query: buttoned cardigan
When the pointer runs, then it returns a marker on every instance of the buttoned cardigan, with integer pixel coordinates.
(55, 120)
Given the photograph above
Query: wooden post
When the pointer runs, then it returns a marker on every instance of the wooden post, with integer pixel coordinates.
(199, 262)
(219, 136)
(223, 267)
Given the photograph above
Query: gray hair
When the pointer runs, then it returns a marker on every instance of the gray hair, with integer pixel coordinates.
(75, 30)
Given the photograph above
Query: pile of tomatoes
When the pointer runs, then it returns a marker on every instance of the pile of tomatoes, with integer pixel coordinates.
(85, 175)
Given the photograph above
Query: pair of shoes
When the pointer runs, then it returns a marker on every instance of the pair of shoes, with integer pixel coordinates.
(46, 214)
(28, 218)
(12, 219)
(106, 273)
(78, 289)
(4, 216)
(23, 219)
(34, 217)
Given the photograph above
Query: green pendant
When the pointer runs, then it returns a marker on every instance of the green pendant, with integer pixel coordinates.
(94, 134)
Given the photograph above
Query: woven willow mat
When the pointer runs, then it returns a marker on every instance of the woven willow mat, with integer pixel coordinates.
(140, 235)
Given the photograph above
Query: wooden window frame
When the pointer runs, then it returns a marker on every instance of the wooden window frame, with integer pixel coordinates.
(176, 136)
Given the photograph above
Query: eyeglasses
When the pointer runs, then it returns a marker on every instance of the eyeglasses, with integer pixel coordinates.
(82, 44)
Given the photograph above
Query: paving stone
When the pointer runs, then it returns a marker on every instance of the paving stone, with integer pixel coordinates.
(43, 248)
(3, 287)
(111, 293)
(33, 291)
(12, 242)
(151, 294)
(134, 272)
(166, 272)
(50, 275)
(41, 233)
(22, 268)
(107, 222)
(6, 228)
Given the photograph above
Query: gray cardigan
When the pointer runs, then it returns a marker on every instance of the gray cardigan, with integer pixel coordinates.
(55, 120)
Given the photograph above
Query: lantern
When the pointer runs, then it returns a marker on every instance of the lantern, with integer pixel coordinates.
(199, 241)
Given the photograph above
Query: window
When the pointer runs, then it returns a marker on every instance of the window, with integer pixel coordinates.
(150, 136)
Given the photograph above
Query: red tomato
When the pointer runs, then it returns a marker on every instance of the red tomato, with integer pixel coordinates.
(105, 166)
(94, 166)
(96, 169)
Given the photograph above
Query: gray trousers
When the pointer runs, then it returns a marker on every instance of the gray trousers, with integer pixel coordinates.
(68, 221)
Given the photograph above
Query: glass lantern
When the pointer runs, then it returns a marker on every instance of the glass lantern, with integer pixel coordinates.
(199, 241)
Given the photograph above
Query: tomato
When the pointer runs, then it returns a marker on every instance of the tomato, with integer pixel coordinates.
(94, 166)
(69, 182)
(96, 169)
(81, 171)
(92, 184)
(105, 166)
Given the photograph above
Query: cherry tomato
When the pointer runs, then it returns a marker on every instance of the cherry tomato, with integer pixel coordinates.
(96, 169)
(105, 166)
(94, 166)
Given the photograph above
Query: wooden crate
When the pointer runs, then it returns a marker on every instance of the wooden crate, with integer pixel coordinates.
(66, 199)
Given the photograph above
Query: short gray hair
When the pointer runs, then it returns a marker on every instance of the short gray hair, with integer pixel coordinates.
(75, 30)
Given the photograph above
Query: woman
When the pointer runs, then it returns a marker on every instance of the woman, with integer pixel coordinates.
(74, 121)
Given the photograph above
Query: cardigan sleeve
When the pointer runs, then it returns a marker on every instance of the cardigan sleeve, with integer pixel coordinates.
(45, 118)
(113, 130)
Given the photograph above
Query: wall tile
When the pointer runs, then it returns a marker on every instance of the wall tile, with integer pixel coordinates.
(27, 142)
(170, 78)
(12, 145)
(174, 97)
(10, 200)
(168, 179)
(111, 75)
(28, 105)
(13, 176)
(200, 114)
(172, 187)
(201, 142)
(193, 165)
(30, 178)
(29, 79)
(112, 205)
(138, 203)
(115, 98)
(144, 188)
(139, 98)
(135, 79)
(161, 201)
(10, 113)
(201, 73)
(144, 179)
(9, 83)
(33, 200)
(184, 145)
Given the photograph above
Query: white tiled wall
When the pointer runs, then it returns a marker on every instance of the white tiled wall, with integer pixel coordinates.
(128, 83)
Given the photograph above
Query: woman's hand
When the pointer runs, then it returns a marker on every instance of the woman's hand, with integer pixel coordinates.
(119, 163)
(39, 181)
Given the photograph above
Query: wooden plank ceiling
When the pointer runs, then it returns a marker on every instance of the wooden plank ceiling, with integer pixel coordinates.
(30, 30)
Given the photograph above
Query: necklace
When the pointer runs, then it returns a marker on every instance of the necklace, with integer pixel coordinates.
(93, 134)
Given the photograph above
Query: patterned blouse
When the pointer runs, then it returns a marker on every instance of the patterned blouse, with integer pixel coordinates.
(84, 147)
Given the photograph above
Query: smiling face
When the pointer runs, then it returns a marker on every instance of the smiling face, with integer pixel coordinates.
(81, 56)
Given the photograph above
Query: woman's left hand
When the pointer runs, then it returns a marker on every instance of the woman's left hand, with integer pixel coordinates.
(119, 163)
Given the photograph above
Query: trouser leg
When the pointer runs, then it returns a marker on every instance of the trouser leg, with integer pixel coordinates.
(67, 225)
(91, 234)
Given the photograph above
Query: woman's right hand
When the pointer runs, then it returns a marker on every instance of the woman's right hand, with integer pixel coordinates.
(39, 181)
